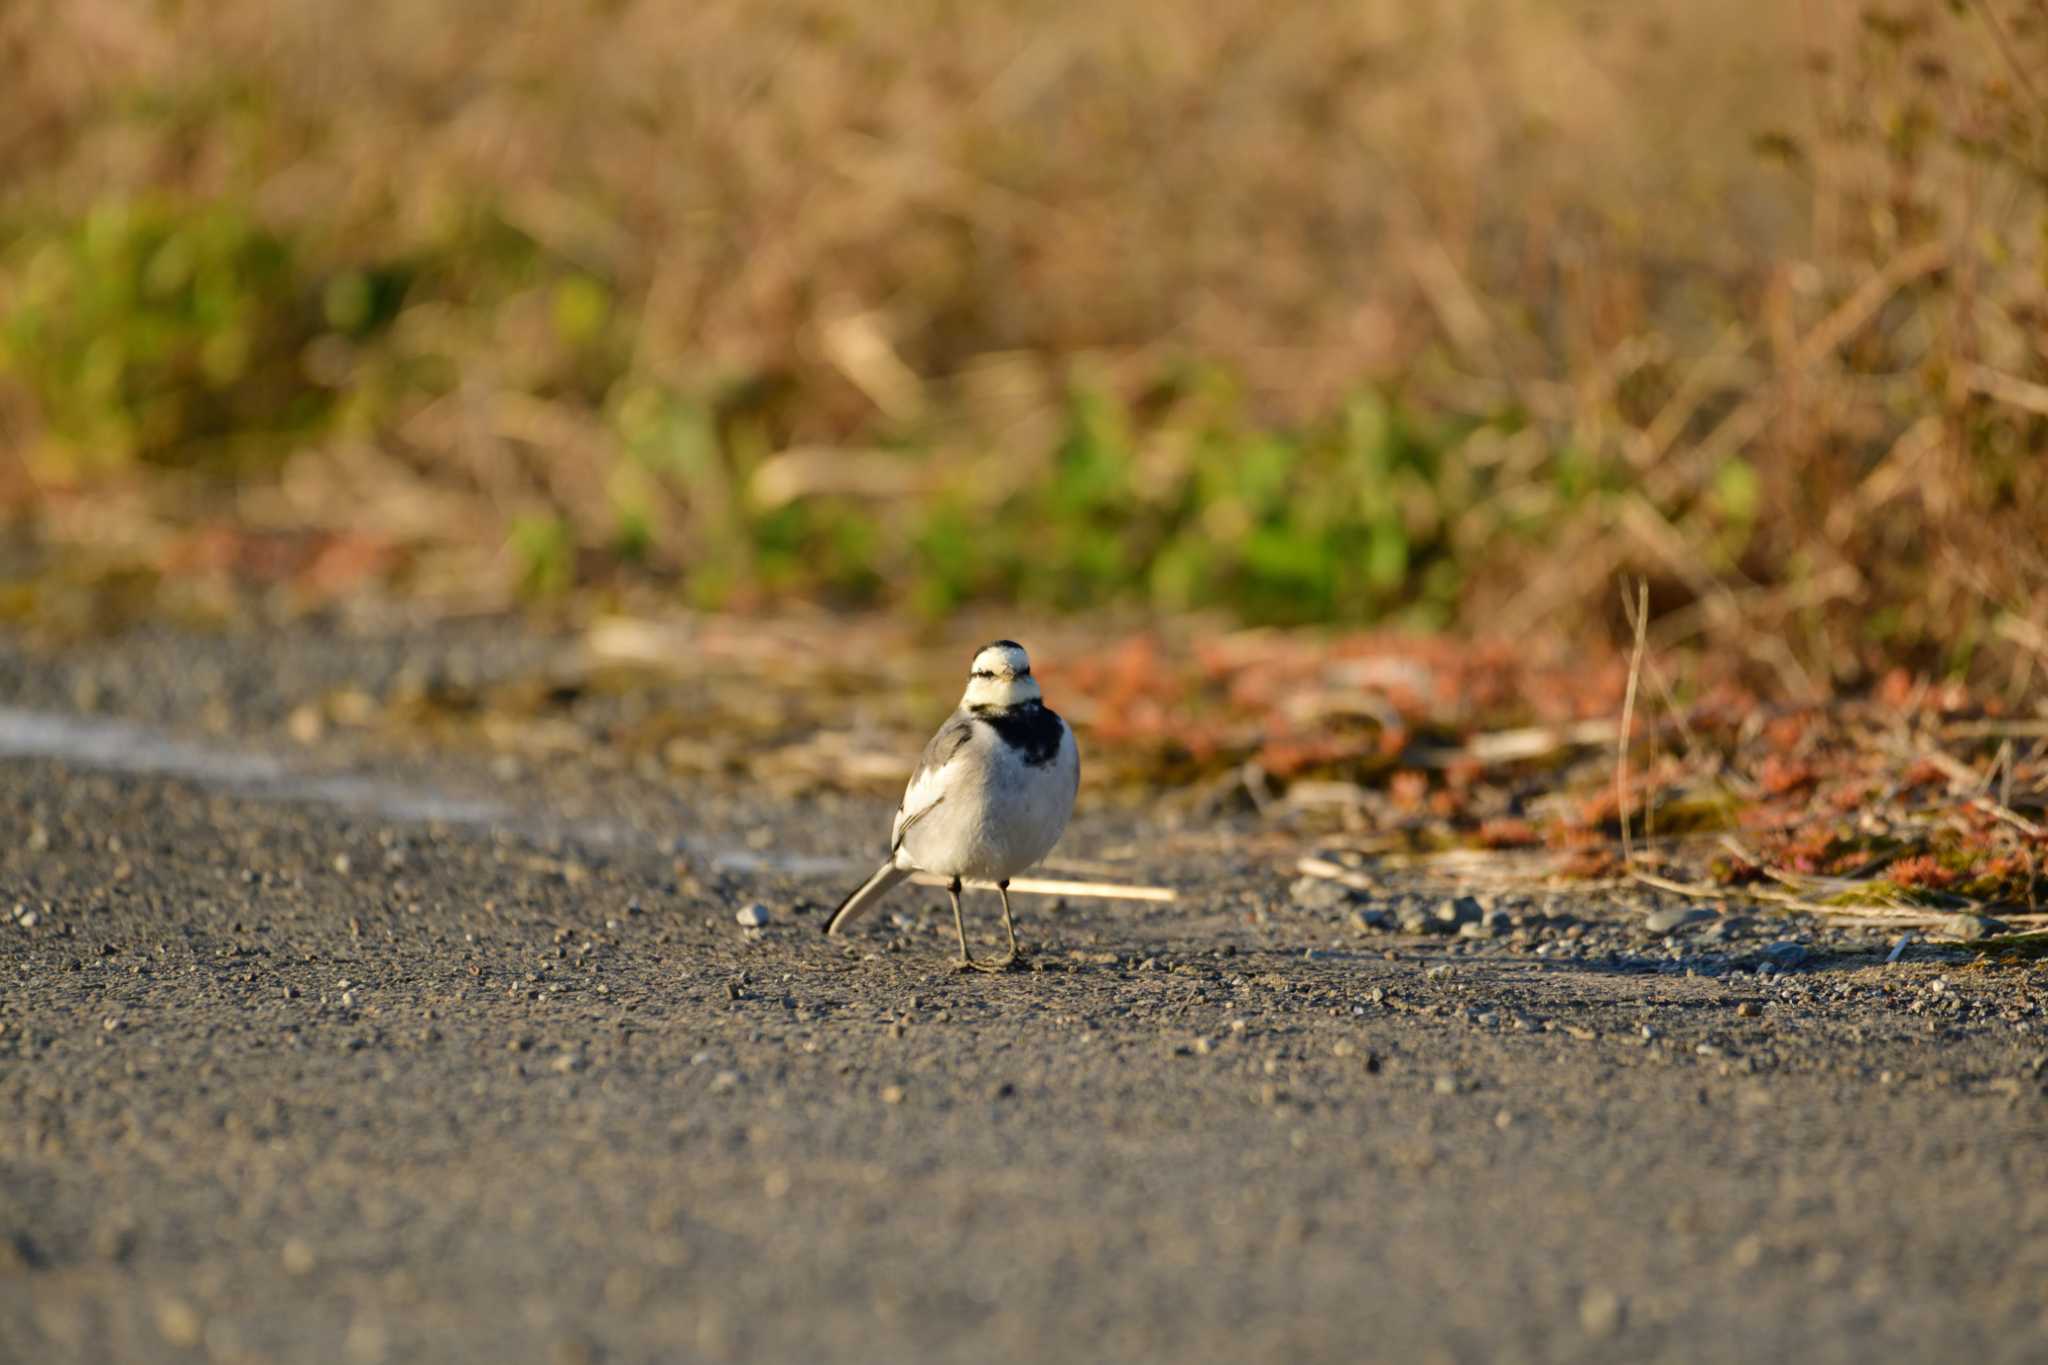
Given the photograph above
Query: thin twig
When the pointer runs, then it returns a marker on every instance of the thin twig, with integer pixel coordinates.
(1639, 617)
(1053, 886)
(1713, 893)
(2008, 389)
(1957, 771)
(2012, 59)
(1511, 746)
(1994, 729)
(1686, 736)
(1963, 775)
(1331, 872)
(2000, 810)
(1748, 418)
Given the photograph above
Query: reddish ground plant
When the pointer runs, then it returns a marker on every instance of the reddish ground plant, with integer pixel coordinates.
(1920, 872)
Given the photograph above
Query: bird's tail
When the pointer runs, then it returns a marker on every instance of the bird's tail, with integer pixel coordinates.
(873, 889)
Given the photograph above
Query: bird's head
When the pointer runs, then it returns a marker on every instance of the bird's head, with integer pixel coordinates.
(1000, 676)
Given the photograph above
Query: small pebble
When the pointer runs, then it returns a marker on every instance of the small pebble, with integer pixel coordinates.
(1600, 1312)
(114, 1240)
(306, 724)
(179, 1322)
(297, 1257)
(1673, 918)
(1320, 893)
(753, 916)
(1748, 1009)
(892, 1094)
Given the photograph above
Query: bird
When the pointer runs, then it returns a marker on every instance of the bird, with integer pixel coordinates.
(990, 797)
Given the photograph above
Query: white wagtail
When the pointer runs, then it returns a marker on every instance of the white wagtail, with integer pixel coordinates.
(990, 797)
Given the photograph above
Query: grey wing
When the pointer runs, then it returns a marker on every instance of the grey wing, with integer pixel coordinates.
(925, 790)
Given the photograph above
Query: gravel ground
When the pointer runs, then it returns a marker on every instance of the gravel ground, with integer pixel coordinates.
(292, 1070)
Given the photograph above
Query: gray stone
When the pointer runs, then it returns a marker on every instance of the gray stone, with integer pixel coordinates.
(1785, 954)
(1477, 928)
(1675, 917)
(753, 916)
(1973, 928)
(1463, 910)
(1320, 893)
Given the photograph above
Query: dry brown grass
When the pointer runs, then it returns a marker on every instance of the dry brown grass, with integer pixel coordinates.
(1308, 197)
(1747, 297)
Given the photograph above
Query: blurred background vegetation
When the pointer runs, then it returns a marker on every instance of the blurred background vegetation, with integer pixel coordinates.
(1445, 315)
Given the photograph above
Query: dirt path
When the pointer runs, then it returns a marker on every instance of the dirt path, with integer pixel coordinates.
(291, 1070)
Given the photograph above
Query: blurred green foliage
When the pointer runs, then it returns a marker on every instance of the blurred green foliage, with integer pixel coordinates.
(181, 334)
(165, 333)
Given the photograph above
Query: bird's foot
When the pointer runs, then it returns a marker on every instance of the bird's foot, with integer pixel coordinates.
(991, 965)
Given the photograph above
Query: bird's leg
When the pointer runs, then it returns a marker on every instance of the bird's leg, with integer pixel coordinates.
(959, 926)
(1009, 929)
(996, 964)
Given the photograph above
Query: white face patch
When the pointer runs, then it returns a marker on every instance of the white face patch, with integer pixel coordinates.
(1000, 676)
(1001, 660)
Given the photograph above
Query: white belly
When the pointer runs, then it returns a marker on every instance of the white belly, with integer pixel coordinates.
(999, 815)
